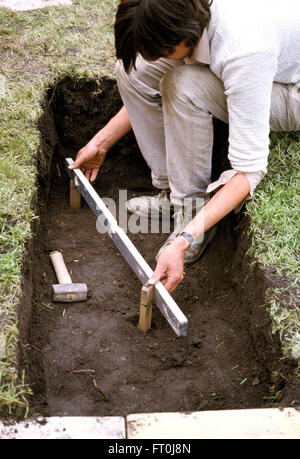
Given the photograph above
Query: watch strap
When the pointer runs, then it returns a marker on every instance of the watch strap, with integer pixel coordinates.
(187, 236)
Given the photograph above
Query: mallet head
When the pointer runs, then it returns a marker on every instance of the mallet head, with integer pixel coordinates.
(69, 293)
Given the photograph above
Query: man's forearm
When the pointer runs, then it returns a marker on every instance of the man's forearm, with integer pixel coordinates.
(114, 130)
(223, 202)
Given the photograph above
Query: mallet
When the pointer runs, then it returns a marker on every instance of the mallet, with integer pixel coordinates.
(65, 291)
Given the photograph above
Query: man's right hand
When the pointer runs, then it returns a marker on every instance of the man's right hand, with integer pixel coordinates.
(89, 159)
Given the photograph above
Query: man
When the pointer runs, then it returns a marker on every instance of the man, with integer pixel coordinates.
(181, 63)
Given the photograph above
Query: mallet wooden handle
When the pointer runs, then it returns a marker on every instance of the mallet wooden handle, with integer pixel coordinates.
(60, 269)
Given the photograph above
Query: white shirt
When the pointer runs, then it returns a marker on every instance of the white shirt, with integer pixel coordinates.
(252, 44)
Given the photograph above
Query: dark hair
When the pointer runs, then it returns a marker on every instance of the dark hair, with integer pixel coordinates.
(154, 27)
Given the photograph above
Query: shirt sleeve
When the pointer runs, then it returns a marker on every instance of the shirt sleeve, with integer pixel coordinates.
(253, 178)
(248, 83)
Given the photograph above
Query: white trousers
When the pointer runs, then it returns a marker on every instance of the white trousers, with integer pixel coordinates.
(171, 106)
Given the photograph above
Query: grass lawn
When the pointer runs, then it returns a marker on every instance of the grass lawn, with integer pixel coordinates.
(39, 48)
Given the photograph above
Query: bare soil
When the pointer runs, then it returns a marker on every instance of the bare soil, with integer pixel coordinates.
(90, 358)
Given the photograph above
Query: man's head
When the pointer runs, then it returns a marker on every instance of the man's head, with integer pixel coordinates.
(154, 28)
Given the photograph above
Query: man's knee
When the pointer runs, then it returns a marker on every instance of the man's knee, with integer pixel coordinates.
(144, 77)
(189, 82)
(198, 88)
(135, 78)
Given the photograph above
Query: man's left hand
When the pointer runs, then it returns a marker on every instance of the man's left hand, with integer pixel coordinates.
(170, 264)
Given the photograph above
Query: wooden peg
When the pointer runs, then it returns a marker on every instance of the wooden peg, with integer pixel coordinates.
(146, 307)
(75, 196)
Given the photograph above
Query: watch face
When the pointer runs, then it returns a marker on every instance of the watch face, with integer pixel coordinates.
(187, 236)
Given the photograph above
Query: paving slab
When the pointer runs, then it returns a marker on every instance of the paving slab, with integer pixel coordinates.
(229, 424)
(73, 428)
(27, 5)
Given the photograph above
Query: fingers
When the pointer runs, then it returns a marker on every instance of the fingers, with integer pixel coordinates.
(90, 174)
(153, 281)
(94, 174)
(169, 280)
(158, 274)
(87, 173)
(77, 163)
(172, 282)
(83, 156)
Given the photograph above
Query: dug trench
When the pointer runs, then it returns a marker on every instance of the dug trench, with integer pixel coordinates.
(90, 358)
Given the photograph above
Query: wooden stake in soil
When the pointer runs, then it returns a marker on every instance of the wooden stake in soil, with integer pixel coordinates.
(147, 293)
(75, 196)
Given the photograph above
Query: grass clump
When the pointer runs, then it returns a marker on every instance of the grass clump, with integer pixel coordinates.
(274, 228)
(274, 209)
(285, 314)
(37, 48)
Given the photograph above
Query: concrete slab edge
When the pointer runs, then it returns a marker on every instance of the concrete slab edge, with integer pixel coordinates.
(28, 5)
(266, 423)
(228, 424)
(68, 427)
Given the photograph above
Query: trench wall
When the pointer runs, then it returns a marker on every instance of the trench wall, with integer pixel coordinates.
(72, 114)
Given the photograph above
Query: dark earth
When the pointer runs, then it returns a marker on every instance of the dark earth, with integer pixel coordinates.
(90, 358)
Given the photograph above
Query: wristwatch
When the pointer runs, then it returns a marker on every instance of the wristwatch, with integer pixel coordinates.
(187, 236)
